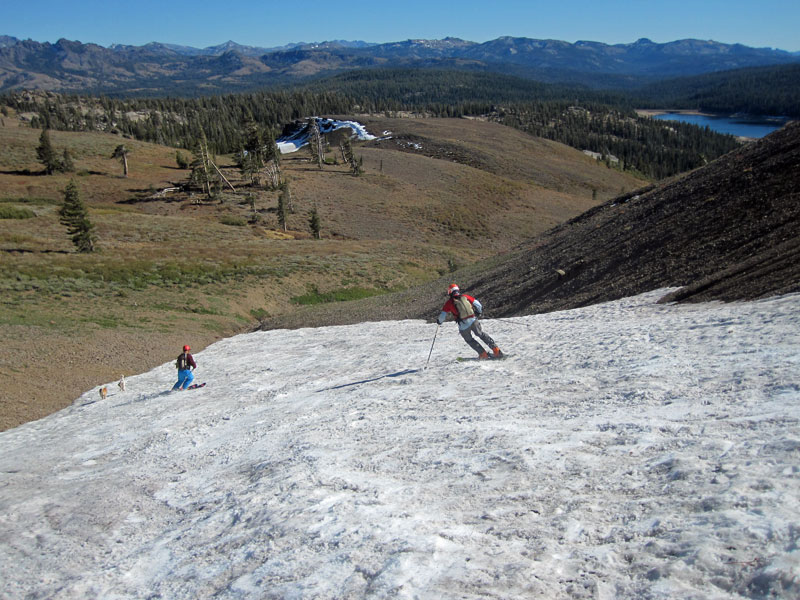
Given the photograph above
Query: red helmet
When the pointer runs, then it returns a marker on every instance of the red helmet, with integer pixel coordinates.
(186, 348)
(453, 290)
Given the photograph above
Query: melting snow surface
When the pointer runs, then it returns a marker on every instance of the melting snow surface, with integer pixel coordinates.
(624, 450)
(299, 138)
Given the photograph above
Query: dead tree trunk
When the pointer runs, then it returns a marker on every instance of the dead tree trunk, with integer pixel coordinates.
(225, 179)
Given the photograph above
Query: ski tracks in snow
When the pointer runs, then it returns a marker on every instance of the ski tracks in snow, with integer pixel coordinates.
(624, 450)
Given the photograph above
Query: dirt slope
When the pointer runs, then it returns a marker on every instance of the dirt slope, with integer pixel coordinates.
(728, 231)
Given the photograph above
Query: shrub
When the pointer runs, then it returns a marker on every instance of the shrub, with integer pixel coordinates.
(233, 220)
(259, 314)
(343, 295)
(182, 160)
(12, 212)
(34, 201)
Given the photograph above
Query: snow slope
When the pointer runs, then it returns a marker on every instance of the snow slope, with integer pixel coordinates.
(295, 139)
(624, 450)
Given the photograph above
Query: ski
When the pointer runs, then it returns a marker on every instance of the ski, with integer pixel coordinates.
(466, 358)
(195, 386)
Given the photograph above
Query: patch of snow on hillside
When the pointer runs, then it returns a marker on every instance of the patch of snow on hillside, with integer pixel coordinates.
(298, 136)
(624, 450)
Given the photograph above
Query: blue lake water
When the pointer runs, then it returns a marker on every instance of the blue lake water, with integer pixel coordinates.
(747, 126)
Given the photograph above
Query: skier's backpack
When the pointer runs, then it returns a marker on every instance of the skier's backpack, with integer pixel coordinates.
(464, 308)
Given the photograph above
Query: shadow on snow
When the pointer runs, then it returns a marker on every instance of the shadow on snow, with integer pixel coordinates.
(344, 385)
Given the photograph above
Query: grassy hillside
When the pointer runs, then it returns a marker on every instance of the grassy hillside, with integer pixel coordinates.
(173, 269)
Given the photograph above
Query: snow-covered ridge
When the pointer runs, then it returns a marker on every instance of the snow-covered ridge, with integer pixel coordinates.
(624, 450)
(297, 137)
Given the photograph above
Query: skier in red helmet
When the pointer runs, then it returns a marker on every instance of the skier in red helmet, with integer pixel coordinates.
(466, 311)
(185, 364)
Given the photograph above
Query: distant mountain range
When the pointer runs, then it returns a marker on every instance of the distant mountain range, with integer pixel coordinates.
(156, 68)
(231, 46)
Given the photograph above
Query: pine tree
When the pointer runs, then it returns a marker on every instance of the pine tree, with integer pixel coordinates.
(200, 166)
(67, 166)
(283, 206)
(314, 222)
(121, 152)
(315, 145)
(271, 151)
(74, 216)
(248, 166)
(251, 198)
(350, 158)
(272, 158)
(253, 155)
(46, 154)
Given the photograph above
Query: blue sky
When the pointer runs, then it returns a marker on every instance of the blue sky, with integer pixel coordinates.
(267, 23)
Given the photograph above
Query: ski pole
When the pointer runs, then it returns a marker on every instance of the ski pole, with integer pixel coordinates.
(511, 322)
(432, 343)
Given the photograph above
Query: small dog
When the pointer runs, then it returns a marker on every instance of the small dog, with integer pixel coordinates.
(121, 383)
(103, 392)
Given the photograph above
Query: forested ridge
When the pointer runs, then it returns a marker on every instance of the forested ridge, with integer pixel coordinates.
(602, 122)
(773, 90)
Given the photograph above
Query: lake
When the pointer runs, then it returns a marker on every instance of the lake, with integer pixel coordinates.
(746, 125)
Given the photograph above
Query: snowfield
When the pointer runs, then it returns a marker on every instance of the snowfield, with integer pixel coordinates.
(298, 138)
(624, 450)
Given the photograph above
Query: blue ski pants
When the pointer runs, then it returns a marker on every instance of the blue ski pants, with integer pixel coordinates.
(185, 379)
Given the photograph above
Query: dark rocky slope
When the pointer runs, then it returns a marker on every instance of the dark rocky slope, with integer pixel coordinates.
(728, 231)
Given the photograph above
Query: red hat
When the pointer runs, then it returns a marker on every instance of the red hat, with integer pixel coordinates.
(453, 289)
(186, 348)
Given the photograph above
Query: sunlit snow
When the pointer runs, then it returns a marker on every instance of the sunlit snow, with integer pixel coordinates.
(298, 138)
(625, 450)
